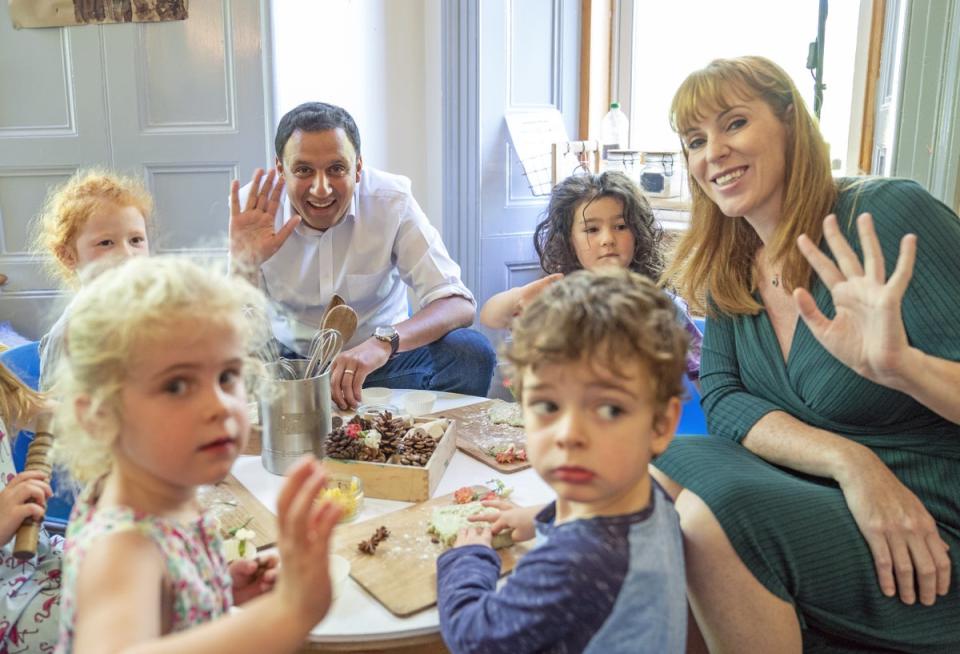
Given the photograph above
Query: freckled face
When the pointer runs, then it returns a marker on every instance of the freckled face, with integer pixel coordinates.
(738, 158)
(111, 231)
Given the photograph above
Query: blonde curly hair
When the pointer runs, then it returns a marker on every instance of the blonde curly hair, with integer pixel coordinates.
(68, 208)
(18, 403)
(127, 308)
(609, 316)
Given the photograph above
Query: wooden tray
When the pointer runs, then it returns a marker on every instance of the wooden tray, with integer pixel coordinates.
(390, 481)
(402, 573)
(476, 432)
(233, 505)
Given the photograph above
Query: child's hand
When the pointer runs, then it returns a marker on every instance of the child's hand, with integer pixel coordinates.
(530, 292)
(253, 577)
(15, 503)
(304, 543)
(511, 516)
(474, 535)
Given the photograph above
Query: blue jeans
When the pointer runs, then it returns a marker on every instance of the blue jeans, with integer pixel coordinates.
(460, 362)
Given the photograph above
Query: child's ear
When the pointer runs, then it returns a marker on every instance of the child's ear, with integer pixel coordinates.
(66, 256)
(665, 425)
(94, 422)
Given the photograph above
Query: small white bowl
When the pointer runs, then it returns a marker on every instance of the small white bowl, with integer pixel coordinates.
(339, 574)
(417, 403)
(376, 395)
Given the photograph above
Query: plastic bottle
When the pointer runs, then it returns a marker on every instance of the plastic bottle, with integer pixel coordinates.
(614, 130)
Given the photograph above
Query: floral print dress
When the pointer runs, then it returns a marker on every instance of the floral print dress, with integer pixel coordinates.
(29, 590)
(196, 568)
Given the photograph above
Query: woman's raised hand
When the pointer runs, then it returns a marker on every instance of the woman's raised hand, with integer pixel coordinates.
(253, 238)
(867, 332)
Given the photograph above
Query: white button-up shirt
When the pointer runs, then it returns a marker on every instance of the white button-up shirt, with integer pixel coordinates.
(382, 245)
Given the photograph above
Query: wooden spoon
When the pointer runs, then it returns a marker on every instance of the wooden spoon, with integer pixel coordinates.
(335, 301)
(342, 318)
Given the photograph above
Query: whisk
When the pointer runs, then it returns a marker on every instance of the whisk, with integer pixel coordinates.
(324, 348)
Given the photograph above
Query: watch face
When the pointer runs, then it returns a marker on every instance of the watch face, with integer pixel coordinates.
(385, 333)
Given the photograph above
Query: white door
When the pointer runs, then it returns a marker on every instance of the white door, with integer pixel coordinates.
(180, 103)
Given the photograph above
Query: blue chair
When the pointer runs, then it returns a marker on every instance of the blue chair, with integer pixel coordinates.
(692, 420)
(24, 362)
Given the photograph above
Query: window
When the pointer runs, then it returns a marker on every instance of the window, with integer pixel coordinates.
(660, 47)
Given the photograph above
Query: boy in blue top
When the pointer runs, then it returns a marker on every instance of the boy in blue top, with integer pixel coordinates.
(598, 360)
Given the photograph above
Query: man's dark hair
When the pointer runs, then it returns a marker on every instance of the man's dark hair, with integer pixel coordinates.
(315, 117)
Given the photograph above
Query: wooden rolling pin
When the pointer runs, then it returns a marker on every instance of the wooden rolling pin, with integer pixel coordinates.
(38, 458)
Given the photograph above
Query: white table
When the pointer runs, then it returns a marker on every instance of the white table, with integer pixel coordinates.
(356, 617)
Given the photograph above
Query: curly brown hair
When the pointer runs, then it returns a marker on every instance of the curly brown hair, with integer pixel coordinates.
(572, 196)
(609, 316)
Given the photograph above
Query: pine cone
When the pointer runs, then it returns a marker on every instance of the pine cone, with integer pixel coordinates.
(416, 448)
(391, 430)
(371, 454)
(341, 444)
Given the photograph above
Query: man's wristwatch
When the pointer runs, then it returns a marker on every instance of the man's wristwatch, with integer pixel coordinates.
(389, 335)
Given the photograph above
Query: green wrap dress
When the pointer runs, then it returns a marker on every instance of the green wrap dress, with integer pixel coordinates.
(794, 531)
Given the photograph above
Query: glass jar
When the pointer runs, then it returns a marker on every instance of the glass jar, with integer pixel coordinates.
(626, 161)
(347, 492)
(657, 175)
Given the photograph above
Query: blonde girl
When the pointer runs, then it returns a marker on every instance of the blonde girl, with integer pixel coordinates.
(593, 221)
(29, 590)
(154, 405)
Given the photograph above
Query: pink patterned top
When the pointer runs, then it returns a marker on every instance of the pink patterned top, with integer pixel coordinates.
(29, 590)
(196, 568)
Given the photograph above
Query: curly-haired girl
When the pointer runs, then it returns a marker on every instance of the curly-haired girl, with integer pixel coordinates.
(593, 221)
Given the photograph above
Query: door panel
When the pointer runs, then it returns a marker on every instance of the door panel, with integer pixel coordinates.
(180, 103)
(530, 55)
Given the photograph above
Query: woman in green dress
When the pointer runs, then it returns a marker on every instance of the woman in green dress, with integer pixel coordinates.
(823, 511)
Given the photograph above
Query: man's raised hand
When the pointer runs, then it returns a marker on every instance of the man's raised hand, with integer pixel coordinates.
(253, 237)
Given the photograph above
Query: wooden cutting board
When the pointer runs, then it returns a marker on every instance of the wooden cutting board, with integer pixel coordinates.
(402, 573)
(233, 505)
(476, 433)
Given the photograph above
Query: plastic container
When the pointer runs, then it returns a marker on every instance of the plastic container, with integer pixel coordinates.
(376, 395)
(614, 130)
(418, 403)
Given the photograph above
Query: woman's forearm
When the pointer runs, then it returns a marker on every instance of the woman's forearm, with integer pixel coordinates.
(786, 441)
(931, 381)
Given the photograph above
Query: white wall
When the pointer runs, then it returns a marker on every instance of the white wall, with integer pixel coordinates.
(370, 57)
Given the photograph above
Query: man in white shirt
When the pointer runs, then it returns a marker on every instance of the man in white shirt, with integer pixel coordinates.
(348, 229)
